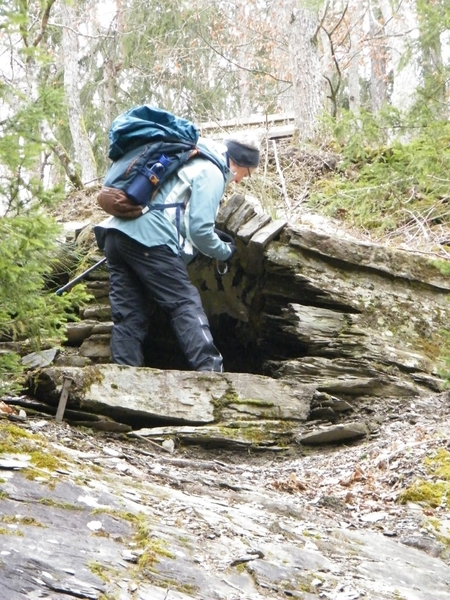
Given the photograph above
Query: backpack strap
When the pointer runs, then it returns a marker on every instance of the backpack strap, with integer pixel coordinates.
(178, 206)
(195, 152)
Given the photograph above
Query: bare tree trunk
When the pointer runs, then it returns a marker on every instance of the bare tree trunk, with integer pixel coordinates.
(354, 85)
(378, 75)
(243, 58)
(82, 147)
(306, 70)
(112, 64)
(405, 78)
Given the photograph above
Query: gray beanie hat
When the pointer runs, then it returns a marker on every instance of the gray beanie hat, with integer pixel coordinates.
(241, 155)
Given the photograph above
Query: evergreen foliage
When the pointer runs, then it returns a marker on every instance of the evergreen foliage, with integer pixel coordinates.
(29, 309)
(383, 182)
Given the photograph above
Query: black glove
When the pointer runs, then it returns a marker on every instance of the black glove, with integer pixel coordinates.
(228, 239)
(224, 236)
(222, 265)
(233, 250)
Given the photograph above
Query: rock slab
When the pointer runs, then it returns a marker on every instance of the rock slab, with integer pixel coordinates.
(183, 397)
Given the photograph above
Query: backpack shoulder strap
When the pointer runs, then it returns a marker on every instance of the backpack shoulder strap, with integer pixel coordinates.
(203, 153)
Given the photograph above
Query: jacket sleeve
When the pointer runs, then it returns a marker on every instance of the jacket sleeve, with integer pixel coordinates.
(207, 189)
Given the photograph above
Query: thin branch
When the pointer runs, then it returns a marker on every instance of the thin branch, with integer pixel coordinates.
(320, 25)
(239, 66)
(44, 22)
(281, 176)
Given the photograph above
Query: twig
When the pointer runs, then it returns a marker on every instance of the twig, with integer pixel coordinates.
(150, 442)
(419, 224)
(281, 176)
(210, 465)
(231, 584)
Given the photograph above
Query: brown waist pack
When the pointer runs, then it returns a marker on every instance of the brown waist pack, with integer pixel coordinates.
(116, 203)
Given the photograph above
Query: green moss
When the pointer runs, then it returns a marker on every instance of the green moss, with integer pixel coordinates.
(230, 398)
(118, 514)
(436, 490)
(14, 439)
(154, 548)
(185, 541)
(398, 596)
(241, 568)
(434, 523)
(13, 431)
(44, 460)
(91, 374)
(7, 531)
(63, 505)
(142, 536)
(309, 534)
(260, 432)
(254, 435)
(101, 533)
(423, 491)
(439, 464)
(21, 520)
(100, 570)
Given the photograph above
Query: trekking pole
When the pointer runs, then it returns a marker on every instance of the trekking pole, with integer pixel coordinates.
(71, 284)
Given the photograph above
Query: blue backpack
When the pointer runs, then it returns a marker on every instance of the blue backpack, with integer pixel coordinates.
(147, 146)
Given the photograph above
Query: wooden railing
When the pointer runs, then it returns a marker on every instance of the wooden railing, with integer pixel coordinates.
(268, 126)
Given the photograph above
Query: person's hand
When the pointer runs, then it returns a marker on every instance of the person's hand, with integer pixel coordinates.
(233, 250)
(222, 265)
(228, 239)
(224, 236)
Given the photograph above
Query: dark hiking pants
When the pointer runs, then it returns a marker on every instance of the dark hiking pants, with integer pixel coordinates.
(138, 273)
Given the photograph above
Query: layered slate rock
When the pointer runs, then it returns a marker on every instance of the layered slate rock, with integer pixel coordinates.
(362, 319)
(354, 319)
(257, 409)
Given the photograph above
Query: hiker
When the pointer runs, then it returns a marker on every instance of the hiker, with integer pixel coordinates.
(148, 256)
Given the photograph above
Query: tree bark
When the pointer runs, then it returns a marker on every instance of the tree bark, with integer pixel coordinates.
(62, 155)
(354, 85)
(405, 77)
(378, 75)
(82, 147)
(308, 94)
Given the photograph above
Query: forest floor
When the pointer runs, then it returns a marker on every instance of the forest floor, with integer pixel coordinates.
(391, 488)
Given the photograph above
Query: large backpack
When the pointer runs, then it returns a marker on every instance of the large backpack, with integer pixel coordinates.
(147, 146)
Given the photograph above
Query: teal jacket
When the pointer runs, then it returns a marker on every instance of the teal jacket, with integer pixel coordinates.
(200, 186)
